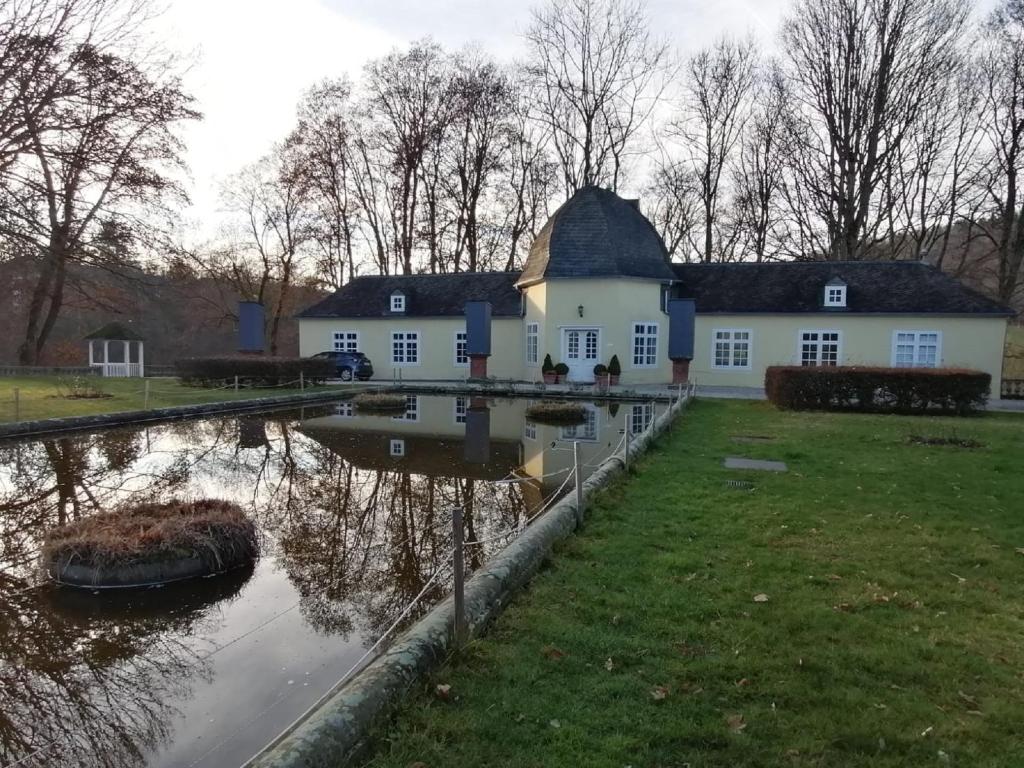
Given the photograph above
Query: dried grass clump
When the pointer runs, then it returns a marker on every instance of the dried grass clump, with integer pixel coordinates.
(214, 531)
(554, 412)
(380, 401)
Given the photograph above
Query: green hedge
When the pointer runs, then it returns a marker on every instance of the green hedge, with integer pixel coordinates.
(252, 370)
(877, 390)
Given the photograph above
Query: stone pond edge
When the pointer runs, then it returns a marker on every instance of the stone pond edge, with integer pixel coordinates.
(44, 427)
(339, 730)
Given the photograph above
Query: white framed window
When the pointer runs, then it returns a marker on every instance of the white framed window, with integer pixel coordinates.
(397, 448)
(459, 410)
(819, 348)
(640, 417)
(345, 410)
(835, 295)
(731, 348)
(530, 430)
(532, 343)
(412, 409)
(645, 345)
(346, 341)
(461, 356)
(916, 349)
(405, 348)
(585, 432)
(398, 302)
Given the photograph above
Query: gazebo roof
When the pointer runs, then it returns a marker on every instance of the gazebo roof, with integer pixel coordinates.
(114, 332)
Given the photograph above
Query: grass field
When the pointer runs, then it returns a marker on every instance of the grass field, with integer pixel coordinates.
(864, 609)
(45, 397)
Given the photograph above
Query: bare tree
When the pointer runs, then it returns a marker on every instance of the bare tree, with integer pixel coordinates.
(1002, 65)
(860, 72)
(674, 206)
(759, 170)
(597, 72)
(272, 199)
(98, 157)
(408, 103)
(324, 141)
(718, 88)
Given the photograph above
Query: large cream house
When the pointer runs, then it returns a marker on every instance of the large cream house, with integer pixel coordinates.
(598, 283)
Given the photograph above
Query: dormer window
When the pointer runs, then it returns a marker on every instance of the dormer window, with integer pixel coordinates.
(398, 302)
(835, 294)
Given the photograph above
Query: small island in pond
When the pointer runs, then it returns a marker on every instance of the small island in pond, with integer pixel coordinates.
(150, 544)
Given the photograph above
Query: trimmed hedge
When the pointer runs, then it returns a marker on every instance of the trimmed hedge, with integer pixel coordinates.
(877, 390)
(252, 370)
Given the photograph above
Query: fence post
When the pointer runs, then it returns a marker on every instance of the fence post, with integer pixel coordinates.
(578, 463)
(460, 578)
(236, 383)
(17, 404)
(302, 382)
(145, 395)
(625, 450)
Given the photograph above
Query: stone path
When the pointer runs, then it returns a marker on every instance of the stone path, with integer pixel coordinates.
(737, 462)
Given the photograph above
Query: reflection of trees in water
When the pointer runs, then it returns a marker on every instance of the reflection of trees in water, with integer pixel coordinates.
(365, 542)
(90, 678)
(358, 544)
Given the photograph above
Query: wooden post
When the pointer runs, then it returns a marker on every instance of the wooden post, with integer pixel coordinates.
(302, 381)
(578, 463)
(236, 383)
(17, 404)
(145, 395)
(460, 578)
(625, 450)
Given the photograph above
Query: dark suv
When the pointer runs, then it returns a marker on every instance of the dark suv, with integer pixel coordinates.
(350, 364)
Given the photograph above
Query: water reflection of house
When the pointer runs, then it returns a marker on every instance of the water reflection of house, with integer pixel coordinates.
(477, 438)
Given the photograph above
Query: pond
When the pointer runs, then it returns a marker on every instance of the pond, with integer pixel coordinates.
(354, 514)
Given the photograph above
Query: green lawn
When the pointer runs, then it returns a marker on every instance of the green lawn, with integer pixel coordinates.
(892, 633)
(44, 397)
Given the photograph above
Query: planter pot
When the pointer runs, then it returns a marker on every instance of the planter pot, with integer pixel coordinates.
(613, 380)
(550, 378)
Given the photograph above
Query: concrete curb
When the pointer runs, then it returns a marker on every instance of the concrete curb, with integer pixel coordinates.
(340, 728)
(44, 427)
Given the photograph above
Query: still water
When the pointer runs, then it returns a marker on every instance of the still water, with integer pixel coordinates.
(354, 517)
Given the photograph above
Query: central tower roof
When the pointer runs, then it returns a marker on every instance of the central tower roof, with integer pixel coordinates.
(597, 234)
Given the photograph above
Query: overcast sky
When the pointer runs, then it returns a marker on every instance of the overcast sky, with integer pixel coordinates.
(254, 58)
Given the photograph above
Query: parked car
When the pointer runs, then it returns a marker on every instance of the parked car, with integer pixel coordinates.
(350, 364)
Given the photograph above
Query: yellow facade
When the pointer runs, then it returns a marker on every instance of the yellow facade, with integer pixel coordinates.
(611, 307)
(964, 342)
(436, 358)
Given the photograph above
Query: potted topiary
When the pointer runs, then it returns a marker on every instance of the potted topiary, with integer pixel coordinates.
(547, 369)
(601, 376)
(561, 371)
(614, 370)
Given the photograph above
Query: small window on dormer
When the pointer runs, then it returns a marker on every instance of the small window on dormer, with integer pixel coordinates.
(835, 294)
(398, 302)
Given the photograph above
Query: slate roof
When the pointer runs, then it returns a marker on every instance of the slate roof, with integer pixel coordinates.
(114, 331)
(425, 295)
(597, 234)
(873, 287)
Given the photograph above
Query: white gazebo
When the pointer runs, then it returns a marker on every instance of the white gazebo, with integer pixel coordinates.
(110, 350)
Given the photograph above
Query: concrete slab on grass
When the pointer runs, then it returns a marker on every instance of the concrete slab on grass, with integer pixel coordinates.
(735, 462)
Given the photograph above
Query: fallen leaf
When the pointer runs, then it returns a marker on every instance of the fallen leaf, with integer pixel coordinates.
(760, 597)
(615, 619)
(552, 652)
(926, 731)
(443, 692)
(659, 693)
(736, 723)
(520, 717)
(609, 665)
(743, 682)
(555, 724)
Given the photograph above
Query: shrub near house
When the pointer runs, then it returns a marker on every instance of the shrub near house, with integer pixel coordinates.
(879, 390)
